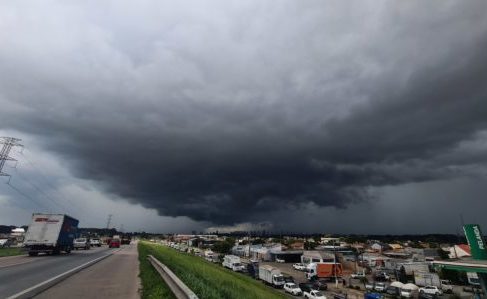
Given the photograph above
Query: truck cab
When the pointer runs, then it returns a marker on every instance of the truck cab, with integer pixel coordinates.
(278, 280)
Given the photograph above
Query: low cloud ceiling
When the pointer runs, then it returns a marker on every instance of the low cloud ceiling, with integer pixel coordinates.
(226, 111)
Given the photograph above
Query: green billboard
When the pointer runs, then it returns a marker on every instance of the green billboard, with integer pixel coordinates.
(475, 241)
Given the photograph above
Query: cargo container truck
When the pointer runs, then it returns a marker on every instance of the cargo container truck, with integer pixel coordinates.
(271, 276)
(323, 271)
(50, 233)
(233, 262)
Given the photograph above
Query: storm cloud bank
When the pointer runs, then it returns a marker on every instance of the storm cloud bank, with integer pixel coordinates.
(224, 112)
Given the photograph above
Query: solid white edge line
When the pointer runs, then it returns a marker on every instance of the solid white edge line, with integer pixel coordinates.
(62, 275)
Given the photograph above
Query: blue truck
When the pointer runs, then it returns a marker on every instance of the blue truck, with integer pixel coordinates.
(50, 233)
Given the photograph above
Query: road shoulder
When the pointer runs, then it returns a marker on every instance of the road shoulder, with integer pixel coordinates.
(114, 277)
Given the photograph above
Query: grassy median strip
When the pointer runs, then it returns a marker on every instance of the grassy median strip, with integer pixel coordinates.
(153, 286)
(11, 251)
(207, 280)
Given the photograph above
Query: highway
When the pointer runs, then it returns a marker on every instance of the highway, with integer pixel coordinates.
(22, 272)
(113, 277)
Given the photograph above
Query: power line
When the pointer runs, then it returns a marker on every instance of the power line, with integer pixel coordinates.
(8, 143)
(40, 191)
(24, 194)
(47, 182)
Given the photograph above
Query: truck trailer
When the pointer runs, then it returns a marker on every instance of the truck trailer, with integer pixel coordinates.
(50, 233)
(271, 275)
(323, 271)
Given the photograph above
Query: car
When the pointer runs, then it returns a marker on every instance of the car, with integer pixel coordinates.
(380, 287)
(299, 267)
(288, 278)
(369, 286)
(292, 289)
(114, 243)
(358, 275)
(446, 286)
(473, 289)
(81, 243)
(320, 285)
(383, 276)
(314, 294)
(306, 287)
(432, 290)
(393, 291)
(427, 296)
(4, 243)
(95, 242)
(280, 260)
(373, 296)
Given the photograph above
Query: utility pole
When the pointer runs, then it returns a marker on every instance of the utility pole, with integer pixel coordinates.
(8, 143)
(109, 220)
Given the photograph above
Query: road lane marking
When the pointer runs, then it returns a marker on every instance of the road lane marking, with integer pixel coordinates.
(40, 287)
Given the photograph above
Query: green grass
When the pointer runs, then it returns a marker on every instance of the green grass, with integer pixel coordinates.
(206, 279)
(11, 251)
(153, 286)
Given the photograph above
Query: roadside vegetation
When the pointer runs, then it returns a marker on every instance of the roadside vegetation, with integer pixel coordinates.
(153, 286)
(208, 280)
(10, 251)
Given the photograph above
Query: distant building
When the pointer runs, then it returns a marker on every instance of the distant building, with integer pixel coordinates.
(458, 251)
(379, 247)
(374, 259)
(395, 246)
(315, 256)
(327, 240)
(17, 235)
(297, 245)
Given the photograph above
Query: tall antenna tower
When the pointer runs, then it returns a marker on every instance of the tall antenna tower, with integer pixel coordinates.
(8, 143)
(109, 220)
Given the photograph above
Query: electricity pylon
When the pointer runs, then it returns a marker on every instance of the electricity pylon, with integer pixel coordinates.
(8, 143)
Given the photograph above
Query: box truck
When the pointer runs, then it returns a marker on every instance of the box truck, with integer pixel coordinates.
(50, 233)
(233, 262)
(323, 271)
(271, 275)
(423, 279)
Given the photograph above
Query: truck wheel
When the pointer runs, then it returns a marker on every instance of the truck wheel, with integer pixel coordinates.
(68, 250)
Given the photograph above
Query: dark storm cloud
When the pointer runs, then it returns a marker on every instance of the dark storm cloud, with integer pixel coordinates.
(229, 114)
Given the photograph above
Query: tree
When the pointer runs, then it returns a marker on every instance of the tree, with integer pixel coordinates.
(224, 246)
(309, 245)
(444, 255)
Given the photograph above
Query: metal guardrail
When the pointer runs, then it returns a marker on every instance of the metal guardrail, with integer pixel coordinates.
(180, 290)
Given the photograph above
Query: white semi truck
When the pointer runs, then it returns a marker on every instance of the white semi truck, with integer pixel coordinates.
(271, 276)
(50, 233)
(233, 262)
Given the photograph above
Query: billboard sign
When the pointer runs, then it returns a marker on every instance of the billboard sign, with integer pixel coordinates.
(475, 241)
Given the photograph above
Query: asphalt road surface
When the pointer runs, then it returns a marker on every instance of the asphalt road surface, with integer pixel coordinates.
(113, 277)
(22, 272)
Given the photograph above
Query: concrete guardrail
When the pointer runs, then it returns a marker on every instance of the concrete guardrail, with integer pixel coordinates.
(180, 290)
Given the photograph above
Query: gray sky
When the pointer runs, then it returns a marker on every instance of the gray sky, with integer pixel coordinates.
(305, 116)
